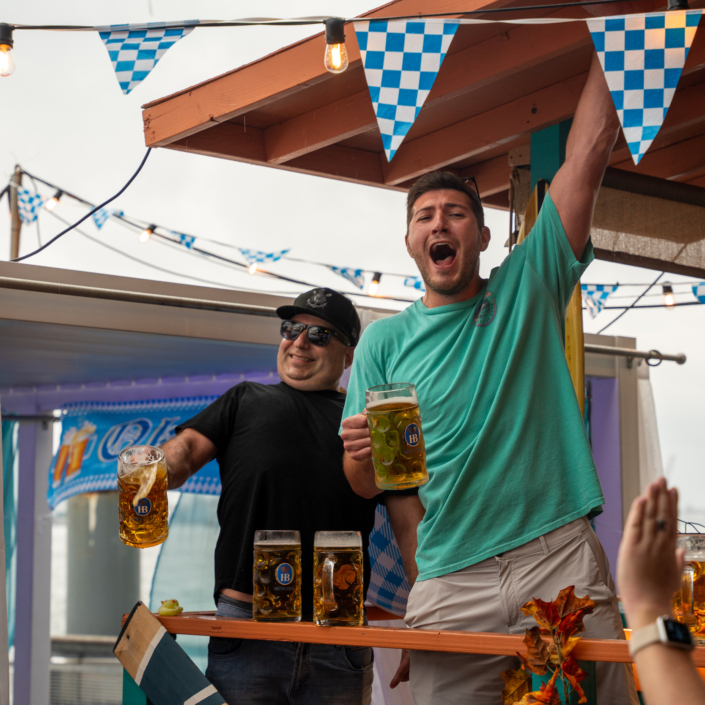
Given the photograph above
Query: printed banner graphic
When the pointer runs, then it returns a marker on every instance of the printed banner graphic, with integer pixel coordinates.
(642, 57)
(401, 60)
(94, 434)
(135, 52)
(595, 296)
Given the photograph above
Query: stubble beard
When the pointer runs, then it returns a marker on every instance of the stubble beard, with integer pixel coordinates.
(450, 288)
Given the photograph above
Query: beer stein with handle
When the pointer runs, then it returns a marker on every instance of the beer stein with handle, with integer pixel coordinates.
(276, 577)
(398, 450)
(689, 601)
(338, 579)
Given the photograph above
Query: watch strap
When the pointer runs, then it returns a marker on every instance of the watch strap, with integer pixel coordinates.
(650, 634)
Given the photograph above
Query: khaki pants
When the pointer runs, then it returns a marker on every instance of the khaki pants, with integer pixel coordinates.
(487, 597)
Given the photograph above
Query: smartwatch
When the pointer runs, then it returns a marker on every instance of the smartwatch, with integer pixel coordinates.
(663, 631)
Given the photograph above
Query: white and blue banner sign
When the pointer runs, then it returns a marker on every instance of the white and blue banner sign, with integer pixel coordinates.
(94, 434)
(699, 292)
(595, 296)
(354, 276)
(29, 205)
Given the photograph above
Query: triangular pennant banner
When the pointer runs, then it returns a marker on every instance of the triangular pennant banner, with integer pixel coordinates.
(401, 60)
(642, 58)
(135, 52)
(29, 205)
(253, 256)
(415, 283)
(185, 240)
(595, 296)
(354, 276)
(100, 217)
(699, 292)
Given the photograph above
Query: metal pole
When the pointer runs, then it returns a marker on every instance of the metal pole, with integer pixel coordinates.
(15, 184)
(635, 354)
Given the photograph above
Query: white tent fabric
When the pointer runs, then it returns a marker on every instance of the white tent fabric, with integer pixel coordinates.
(4, 648)
(650, 464)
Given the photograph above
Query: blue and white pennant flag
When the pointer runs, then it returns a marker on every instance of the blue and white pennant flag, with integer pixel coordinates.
(595, 296)
(401, 59)
(415, 283)
(643, 57)
(29, 205)
(135, 52)
(699, 292)
(255, 256)
(185, 240)
(100, 217)
(354, 276)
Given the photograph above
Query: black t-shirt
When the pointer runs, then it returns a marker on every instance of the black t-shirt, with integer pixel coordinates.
(280, 459)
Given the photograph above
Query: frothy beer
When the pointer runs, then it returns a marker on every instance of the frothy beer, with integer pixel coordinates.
(689, 602)
(143, 508)
(398, 450)
(338, 579)
(276, 576)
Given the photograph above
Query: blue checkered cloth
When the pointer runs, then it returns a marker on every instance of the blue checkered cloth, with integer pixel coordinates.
(415, 283)
(595, 296)
(389, 588)
(354, 276)
(642, 57)
(28, 205)
(401, 60)
(253, 256)
(699, 292)
(185, 240)
(135, 52)
(100, 217)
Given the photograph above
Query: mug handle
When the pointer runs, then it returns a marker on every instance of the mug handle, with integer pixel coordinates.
(328, 589)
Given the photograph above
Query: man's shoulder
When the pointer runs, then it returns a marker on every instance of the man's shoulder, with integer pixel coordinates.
(390, 325)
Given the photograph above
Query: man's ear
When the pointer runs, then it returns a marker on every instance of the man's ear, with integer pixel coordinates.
(485, 238)
(406, 242)
(349, 357)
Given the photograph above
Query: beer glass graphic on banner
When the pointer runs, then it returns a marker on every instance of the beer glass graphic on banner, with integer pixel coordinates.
(337, 579)
(398, 451)
(142, 502)
(276, 577)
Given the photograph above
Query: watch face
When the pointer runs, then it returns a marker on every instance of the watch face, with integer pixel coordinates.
(677, 632)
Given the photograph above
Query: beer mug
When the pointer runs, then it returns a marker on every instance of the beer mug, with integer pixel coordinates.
(398, 451)
(142, 504)
(337, 579)
(689, 601)
(276, 577)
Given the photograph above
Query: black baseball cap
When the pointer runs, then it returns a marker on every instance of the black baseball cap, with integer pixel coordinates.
(329, 305)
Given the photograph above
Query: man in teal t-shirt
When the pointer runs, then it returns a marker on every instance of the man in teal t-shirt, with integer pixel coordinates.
(512, 481)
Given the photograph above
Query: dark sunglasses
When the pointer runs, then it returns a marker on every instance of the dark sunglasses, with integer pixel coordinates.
(317, 335)
(467, 180)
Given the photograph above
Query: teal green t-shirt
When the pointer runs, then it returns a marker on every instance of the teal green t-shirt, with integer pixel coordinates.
(506, 448)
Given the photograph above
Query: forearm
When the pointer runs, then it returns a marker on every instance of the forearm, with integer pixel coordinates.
(667, 675)
(405, 513)
(360, 474)
(179, 461)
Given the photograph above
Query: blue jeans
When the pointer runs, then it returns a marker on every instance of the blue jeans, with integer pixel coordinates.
(250, 672)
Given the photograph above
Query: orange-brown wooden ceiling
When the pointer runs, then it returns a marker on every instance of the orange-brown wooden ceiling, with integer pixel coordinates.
(497, 85)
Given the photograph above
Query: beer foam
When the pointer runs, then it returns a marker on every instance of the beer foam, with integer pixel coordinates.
(278, 542)
(330, 540)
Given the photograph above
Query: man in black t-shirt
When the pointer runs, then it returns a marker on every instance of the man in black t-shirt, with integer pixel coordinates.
(280, 459)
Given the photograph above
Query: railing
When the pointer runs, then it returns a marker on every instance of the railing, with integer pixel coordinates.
(207, 624)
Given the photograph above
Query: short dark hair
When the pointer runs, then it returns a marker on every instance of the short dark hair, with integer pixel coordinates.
(438, 180)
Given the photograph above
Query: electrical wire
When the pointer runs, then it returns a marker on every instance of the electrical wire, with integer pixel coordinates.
(655, 281)
(97, 208)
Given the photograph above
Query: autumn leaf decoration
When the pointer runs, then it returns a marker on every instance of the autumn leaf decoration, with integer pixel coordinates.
(549, 648)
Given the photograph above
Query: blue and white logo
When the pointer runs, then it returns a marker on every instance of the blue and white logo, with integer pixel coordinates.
(144, 507)
(412, 435)
(285, 574)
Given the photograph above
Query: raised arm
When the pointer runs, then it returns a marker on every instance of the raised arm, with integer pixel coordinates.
(592, 136)
(186, 454)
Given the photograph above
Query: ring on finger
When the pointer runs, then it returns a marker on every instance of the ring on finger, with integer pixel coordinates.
(661, 525)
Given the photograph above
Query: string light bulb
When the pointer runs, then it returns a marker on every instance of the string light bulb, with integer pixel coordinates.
(51, 203)
(7, 60)
(147, 233)
(669, 299)
(252, 268)
(374, 284)
(336, 57)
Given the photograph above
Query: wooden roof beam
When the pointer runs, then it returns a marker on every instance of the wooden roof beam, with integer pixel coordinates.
(499, 57)
(678, 162)
(481, 133)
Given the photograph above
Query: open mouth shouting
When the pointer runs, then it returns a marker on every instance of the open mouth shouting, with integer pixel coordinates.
(443, 255)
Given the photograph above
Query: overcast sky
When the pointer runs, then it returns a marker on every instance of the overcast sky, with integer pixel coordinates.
(65, 119)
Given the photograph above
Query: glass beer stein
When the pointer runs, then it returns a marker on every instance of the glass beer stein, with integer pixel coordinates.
(276, 577)
(337, 579)
(689, 601)
(398, 451)
(143, 509)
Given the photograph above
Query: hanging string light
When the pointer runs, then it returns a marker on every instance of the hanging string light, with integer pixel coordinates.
(669, 299)
(336, 57)
(51, 203)
(147, 233)
(252, 268)
(7, 60)
(374, 284)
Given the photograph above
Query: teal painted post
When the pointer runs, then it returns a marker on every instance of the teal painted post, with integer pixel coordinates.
(548, 151)
(131, 693)
(589, 684)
